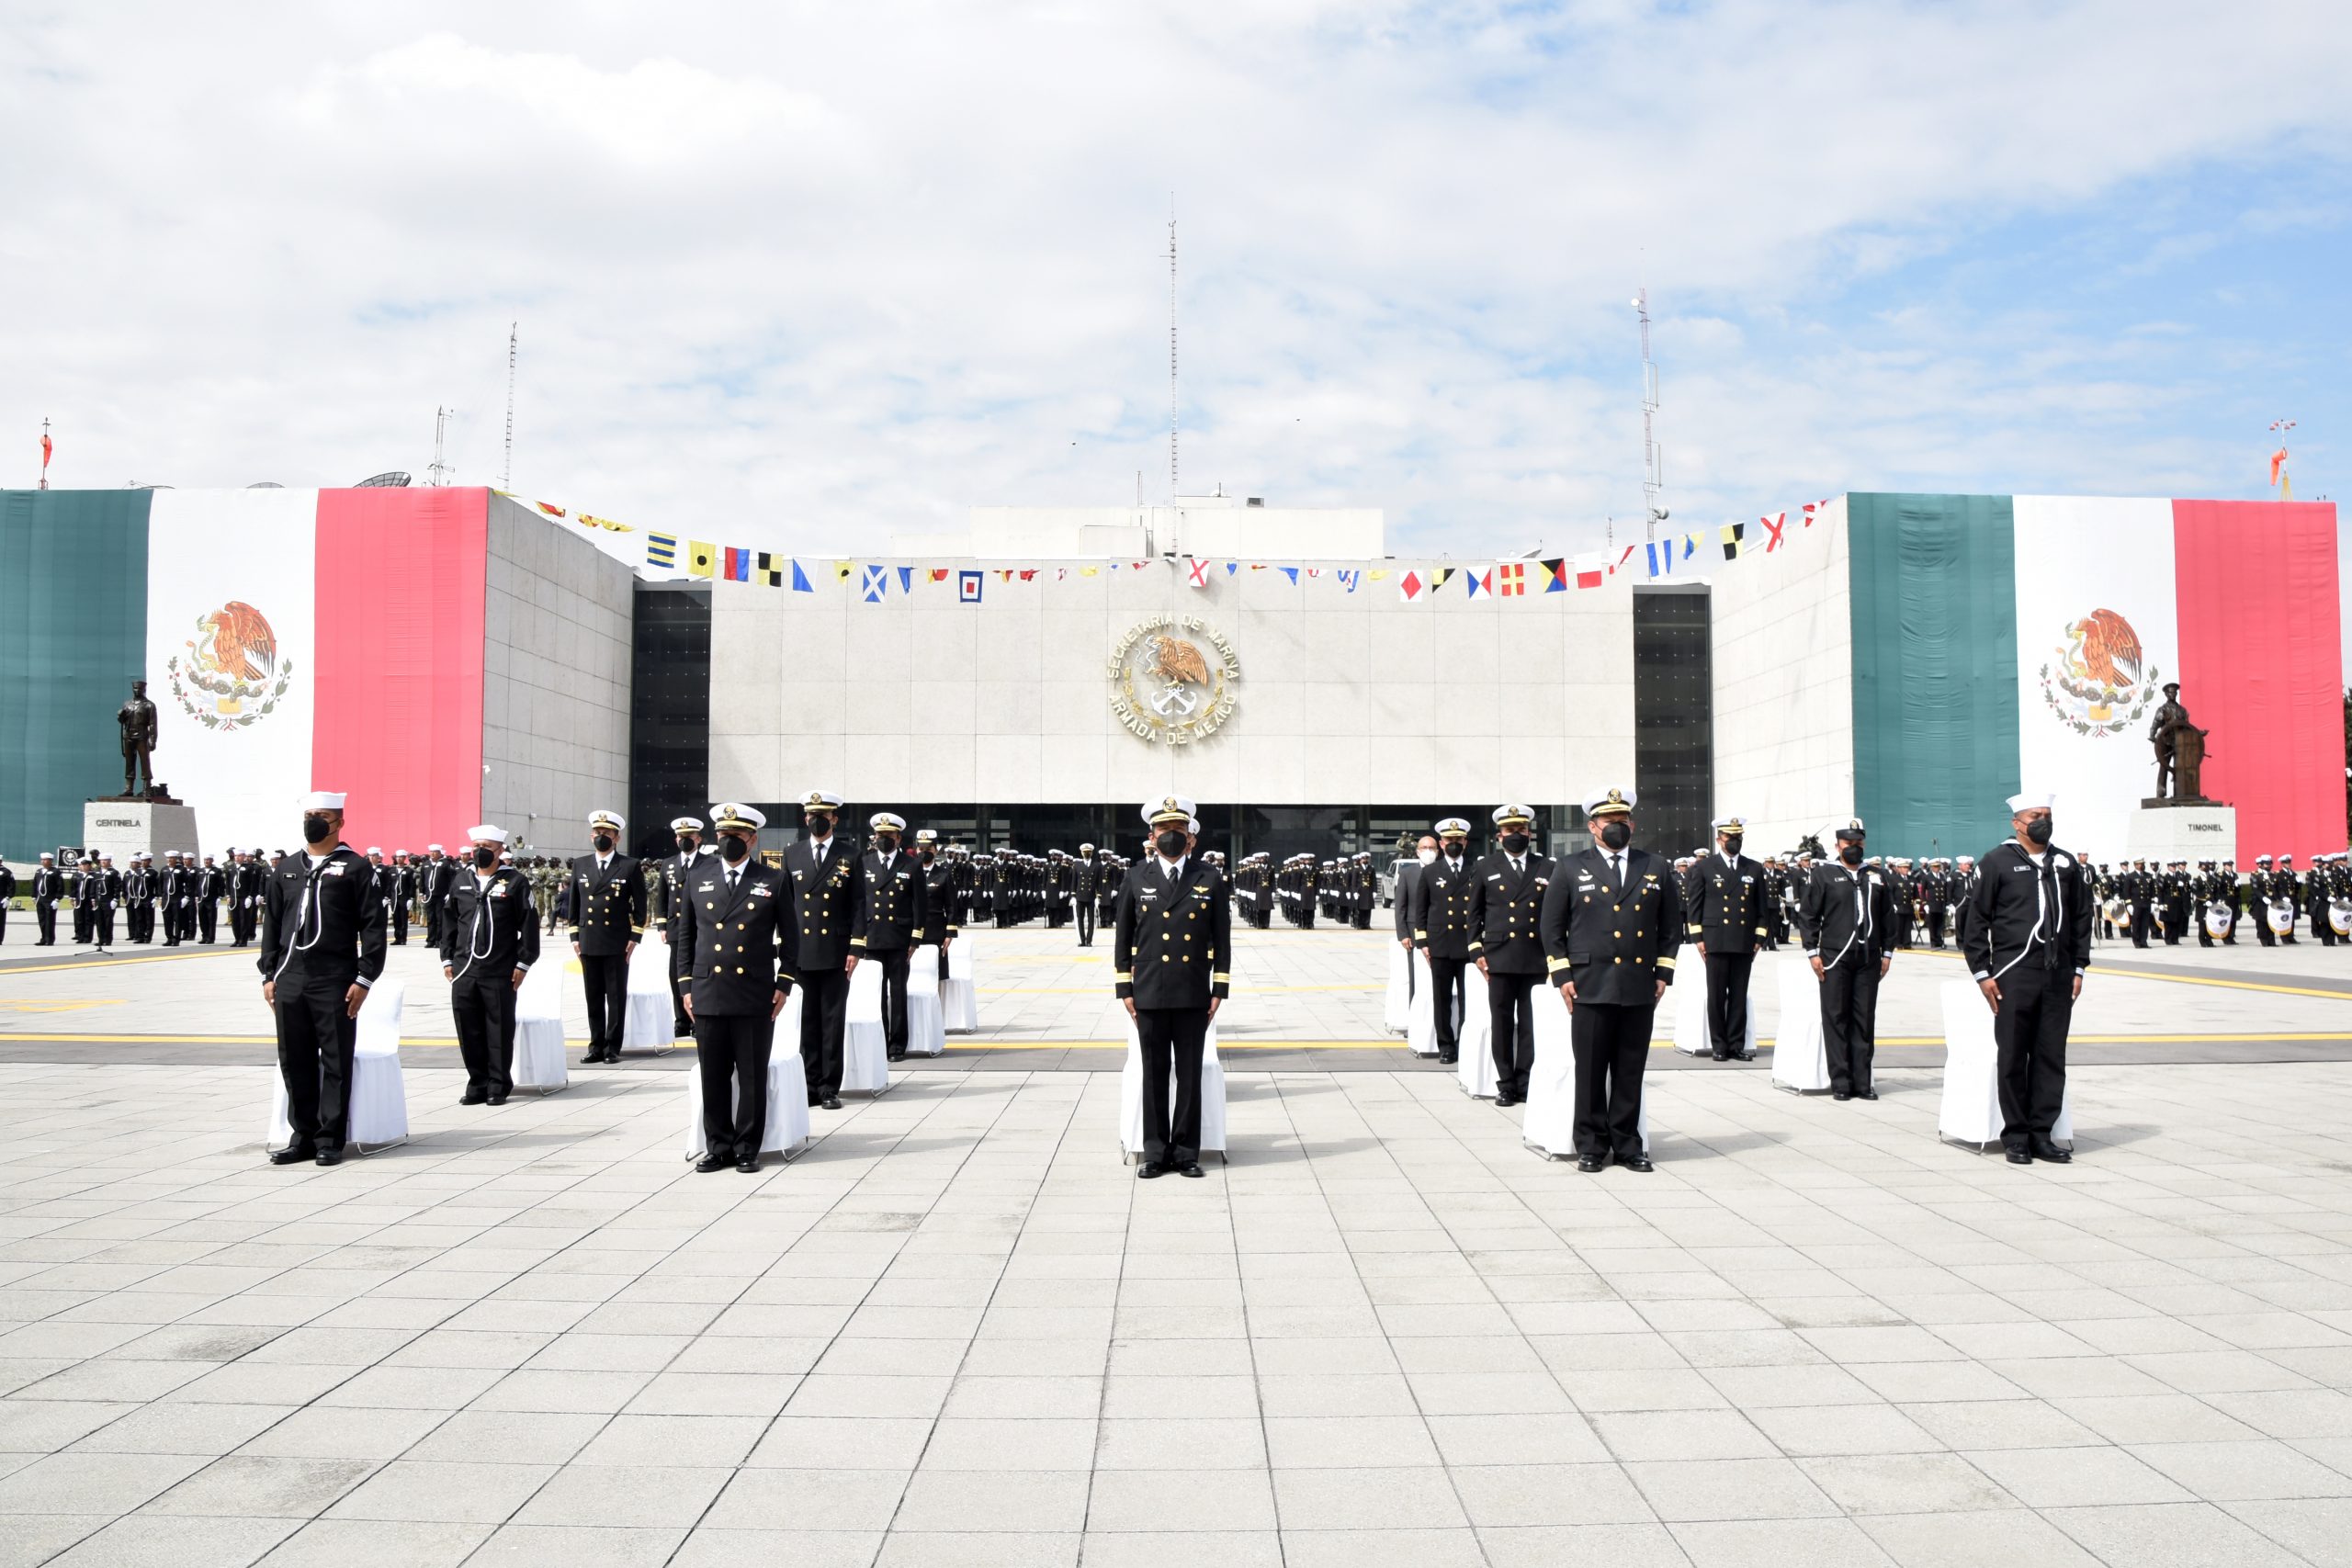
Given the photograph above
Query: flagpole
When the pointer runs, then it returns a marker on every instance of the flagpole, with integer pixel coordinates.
(44, 454)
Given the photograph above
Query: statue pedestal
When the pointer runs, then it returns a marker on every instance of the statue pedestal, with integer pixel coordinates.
(2183, 829)
(125, 828)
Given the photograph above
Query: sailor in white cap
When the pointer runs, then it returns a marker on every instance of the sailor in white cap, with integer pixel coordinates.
(1506, 888)
(670, 910)
(1171, 954)
(1442, 930)
(2028, 940)
(1729, 918)
(1612, 918)
(827, 888)
(1848, 925)
(47, 887)
(890, 922)
(488, 944)
(737, 934)
(608, 909)
(1085, 878)
(322, 948)
(433, 878)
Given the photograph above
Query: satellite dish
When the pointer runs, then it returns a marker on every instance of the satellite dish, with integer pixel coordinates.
(391, 478)
(265, 484)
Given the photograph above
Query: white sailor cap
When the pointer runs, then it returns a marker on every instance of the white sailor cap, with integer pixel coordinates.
(887, 822)
(434, 850)
(323, 800)
(735, 814)
(926, 834)
(481, 831)
(1453, 825)
(397, 854)
(685, 824)
(374, 851)
(1610, 802)
(1730, 825)
(1167, 808)
(49, 855)
(612, 819)
(2032, 802)
(1086, 848)
(1192, 826)
(821, 800)
(1507, 815)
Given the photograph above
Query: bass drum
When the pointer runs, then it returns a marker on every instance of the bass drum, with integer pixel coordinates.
(2339, 915)
(2282, 918)
(2218, 919)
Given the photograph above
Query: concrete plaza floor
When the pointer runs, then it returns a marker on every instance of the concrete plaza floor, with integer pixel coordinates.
(957, 1331)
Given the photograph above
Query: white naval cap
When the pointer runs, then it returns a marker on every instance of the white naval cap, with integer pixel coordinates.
(2032, 802)
(1730, 825)
(434, 850)
(821, 800)
(735, 814)
(887, 822)
(481, 831)
(1612, 802)
(1086, 848)
(323, 800)
(926, 834)
(1192, 826)
(374, 851)
(1167, 808)
(612, 819)
(1507, 815)
(1453, 825)
(685, 824)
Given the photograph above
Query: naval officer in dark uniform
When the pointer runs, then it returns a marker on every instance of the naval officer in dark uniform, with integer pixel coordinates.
(1612, 921)
(48, 887)
(2028, 945)
(941, 894)
(322, 948)
(1847, 923)
(1506, 888)
(607, 922)
(737, 932)
(489, 939)
(1171, 956)
(1441, 930)
(669, 911)
(827, 889)
(890, 921)
(1730, 917)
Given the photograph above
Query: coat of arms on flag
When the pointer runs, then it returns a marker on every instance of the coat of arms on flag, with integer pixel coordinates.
(969, 583)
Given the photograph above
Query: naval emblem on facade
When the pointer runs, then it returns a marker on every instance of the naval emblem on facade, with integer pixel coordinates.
(232, 674)
(1172, 680)
(2097, 681)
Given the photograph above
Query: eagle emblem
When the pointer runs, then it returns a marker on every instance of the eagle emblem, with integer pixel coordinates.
(2098, 680)
(232, 661)
(1167, 688)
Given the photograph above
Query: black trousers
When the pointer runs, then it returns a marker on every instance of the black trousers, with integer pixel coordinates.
(1086, 922)
(680, 982)
(894, 999)
(1849, 1021)
(2143, 924)
(824, 1014)
(208, 918)
(102, 924)
(1510, 1017)
(45, 920)
(1727, 1002)
(142, 920)
(1449, 997)
(81, 920)
(1613, 1045)
(1172, 1040)
(172, 922)
(484, 1006)
(1936, 926)
(2037, 1010)
(732, 1053)
(315, 1042)
(608, 983)
(247, 922)
(399, 925)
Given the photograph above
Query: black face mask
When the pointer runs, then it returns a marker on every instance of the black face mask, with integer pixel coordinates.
(731, 849)
(1616, 835)
(1454, 848)
(485, 857)
(686, 844)
(1851, 854)
(316, 829)
(1732, 842)
(820, 825)
(603, 842)
(2038, 830)
(926, 856)
(886, 844)
(1169, 844)
(1514, 843)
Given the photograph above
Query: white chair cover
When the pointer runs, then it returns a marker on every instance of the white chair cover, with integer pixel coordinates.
(1690, 996)
(866, 1053)
(1800, 1051)
(926, 1024)
(959, 995)
(1420, 1012)
(378, 1115)
(651, 1025)
(788, 1122)
(540, 1062)
(1474, 1070)
(1131, 1097)
(1477, 1032)
(1971, 1110)
(1396, 1008)
(1548, 1123)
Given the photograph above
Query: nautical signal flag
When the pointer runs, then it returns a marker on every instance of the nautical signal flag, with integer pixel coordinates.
(939, 574)
(1196, 571)
(661, 551)
(1735, 540)
(701, 558)
(1440, 576)
(1772, 526)
(801, 583)
(1661, 553)
(737, 567)
(1555, 575)
(874, 584)
(1511, 579)
(842, 569)
(1479, 582)
(969, 583)
(550, 509)
(1590, 569)
(1409, 587)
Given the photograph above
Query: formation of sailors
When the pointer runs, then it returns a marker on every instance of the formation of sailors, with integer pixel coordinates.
(2144, 901)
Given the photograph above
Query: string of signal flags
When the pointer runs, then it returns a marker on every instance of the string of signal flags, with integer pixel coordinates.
(1680, 554)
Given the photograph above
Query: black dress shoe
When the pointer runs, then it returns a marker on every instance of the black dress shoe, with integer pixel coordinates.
(1866, 1094)
(592, 1059)
(1191, 1168)
(328, 1157)
(498, 1099)
(1636, 1162)
(2052, 1154)
(748, 1163)
(1149, 1169)
(1841, 1095)
(472, 1097)
(1590, 1162)
(292, 1153)
(1445, 1061)
(713, 1161)
(1721, 1055)
(2021, 1157)
(832, 1102)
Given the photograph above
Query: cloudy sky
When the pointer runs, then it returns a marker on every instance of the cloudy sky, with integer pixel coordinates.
(836, 271)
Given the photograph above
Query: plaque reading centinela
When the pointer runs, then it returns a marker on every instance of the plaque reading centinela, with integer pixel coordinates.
(1172, 688)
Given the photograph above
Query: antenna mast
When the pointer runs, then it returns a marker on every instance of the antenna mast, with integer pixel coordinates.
(1171, 344)
(506, 474)
(1653, 457)
(437, 471)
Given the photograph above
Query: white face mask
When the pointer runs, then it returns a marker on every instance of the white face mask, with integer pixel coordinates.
(1427, 857)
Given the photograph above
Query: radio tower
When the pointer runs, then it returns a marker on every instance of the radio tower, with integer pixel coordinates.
(1172, 344)
(506, 474)
(1653, 457)
(437, 472)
